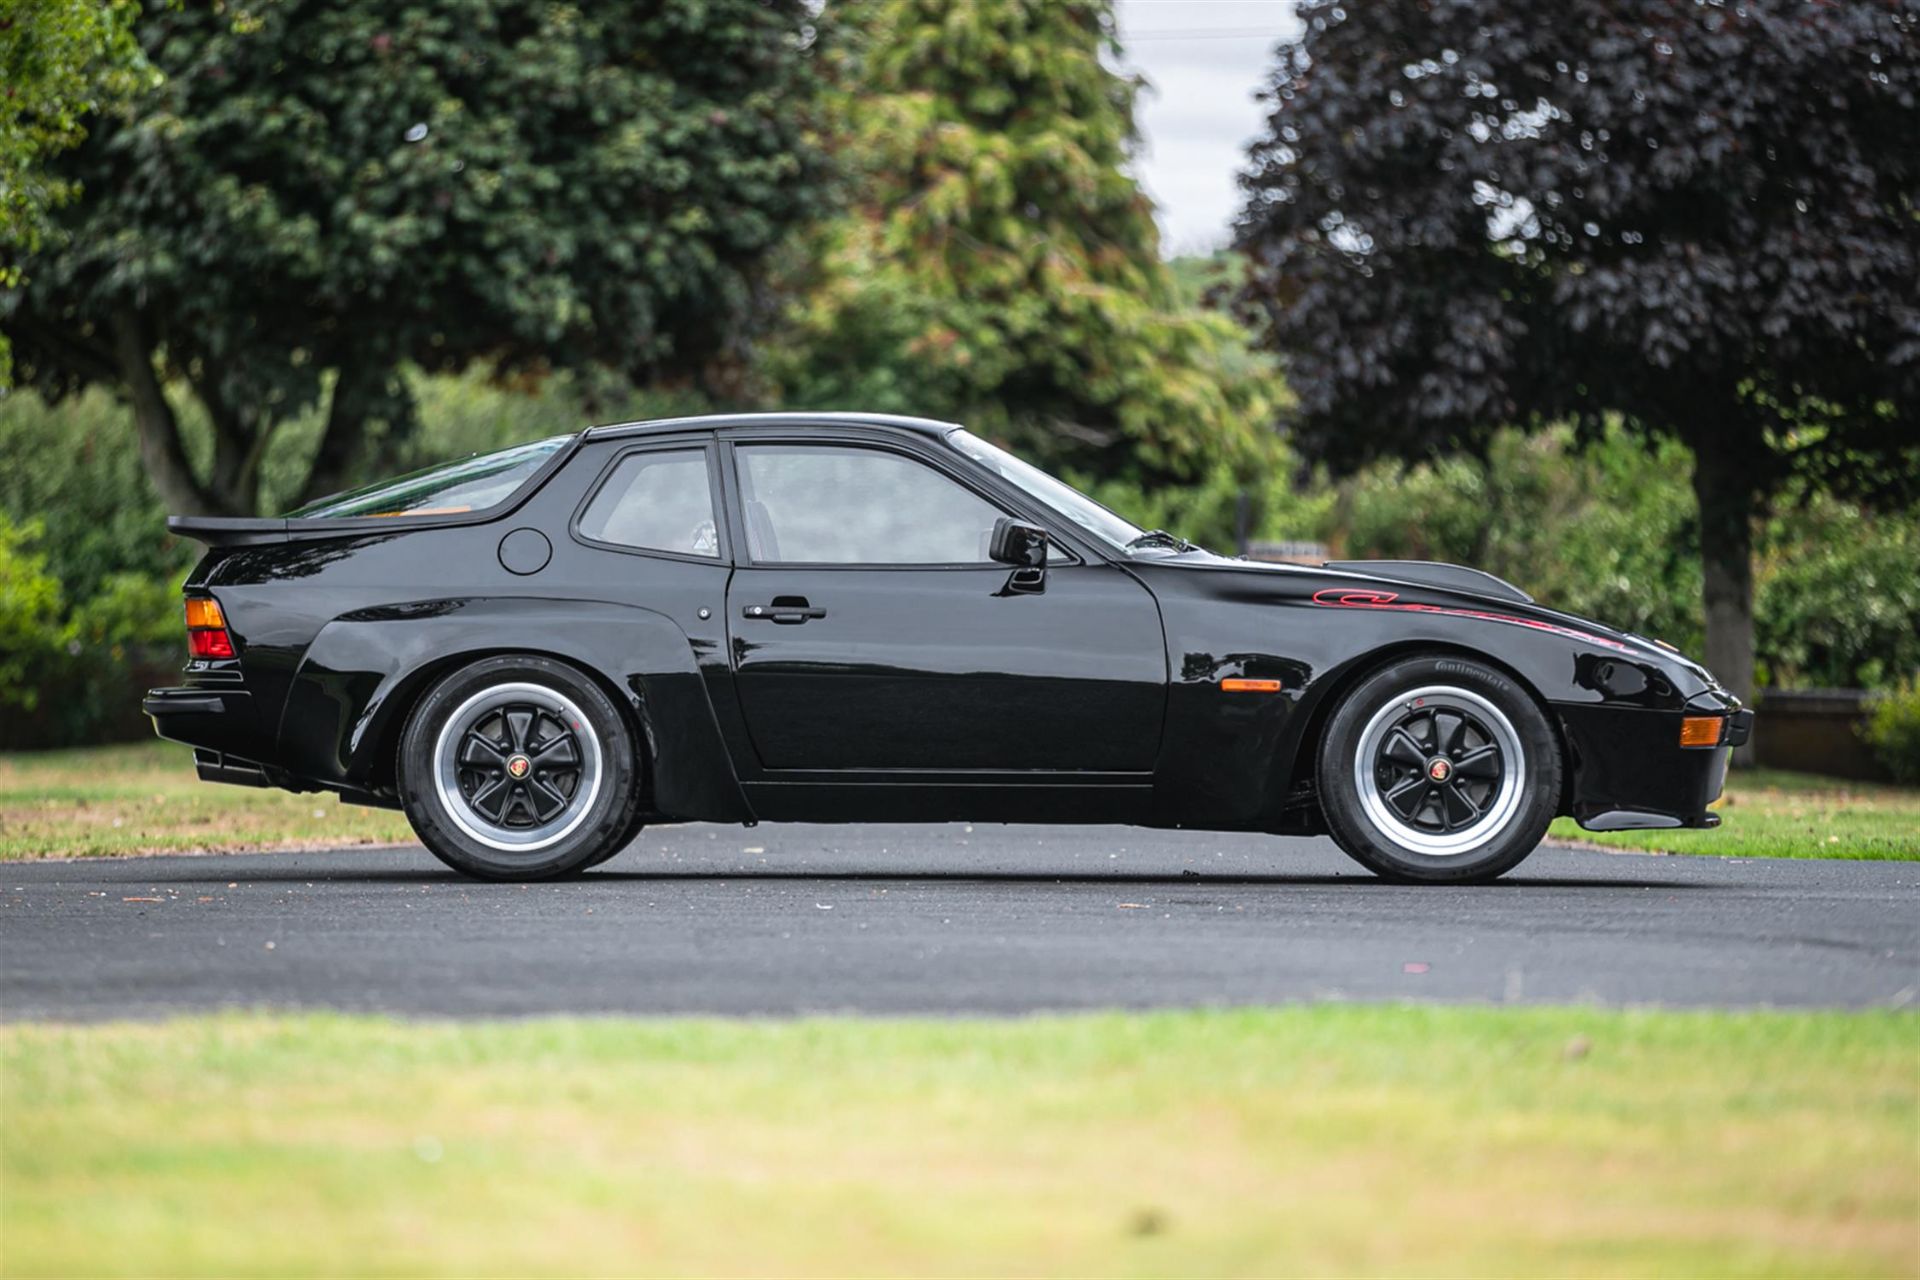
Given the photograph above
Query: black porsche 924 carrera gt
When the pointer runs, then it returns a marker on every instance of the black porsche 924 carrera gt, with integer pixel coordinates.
(846, 617)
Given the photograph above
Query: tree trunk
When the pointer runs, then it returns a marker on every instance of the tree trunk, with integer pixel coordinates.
(240, 439)
(161, 452)
(357, 396)
(1726, 493)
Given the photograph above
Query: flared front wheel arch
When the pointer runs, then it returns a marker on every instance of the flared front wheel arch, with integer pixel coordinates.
(1302, 767)
(1438, 766)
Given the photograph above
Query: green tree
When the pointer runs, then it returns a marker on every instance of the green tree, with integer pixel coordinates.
(998, 262)
(321, 195)
(59, 61)
(1697, 218)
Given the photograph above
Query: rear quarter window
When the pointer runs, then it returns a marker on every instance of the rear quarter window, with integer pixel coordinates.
(656, 501)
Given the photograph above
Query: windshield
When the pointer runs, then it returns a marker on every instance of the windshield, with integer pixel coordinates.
(472, 483)
(1064, 498)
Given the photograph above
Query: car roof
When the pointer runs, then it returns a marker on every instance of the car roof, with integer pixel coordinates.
(798, 419)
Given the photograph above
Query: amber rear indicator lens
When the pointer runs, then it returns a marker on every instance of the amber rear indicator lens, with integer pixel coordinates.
(202, 612)
(1249, 686)
(1701, 731)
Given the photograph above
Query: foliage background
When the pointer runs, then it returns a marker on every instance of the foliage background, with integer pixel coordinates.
(963, 238)
(89, 581)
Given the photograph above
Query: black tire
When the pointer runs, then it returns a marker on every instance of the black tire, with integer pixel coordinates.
(1440, 770)
(518, 768)
(635, 825)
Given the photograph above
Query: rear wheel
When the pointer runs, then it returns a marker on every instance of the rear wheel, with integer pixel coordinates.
(1439, 769)
(518, 768)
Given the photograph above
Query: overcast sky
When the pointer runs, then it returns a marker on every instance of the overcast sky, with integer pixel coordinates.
(1205, 59)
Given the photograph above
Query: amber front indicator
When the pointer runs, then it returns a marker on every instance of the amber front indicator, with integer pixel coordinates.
(1701, 731)
(1250, 686)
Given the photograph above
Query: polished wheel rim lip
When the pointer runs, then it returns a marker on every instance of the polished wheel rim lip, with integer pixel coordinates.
(1376, 774)
(462, 728)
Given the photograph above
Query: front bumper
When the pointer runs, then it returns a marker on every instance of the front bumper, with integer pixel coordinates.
(1739, 729)
(1628, 770)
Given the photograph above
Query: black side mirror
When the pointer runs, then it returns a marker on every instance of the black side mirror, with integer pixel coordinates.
(1022, 545)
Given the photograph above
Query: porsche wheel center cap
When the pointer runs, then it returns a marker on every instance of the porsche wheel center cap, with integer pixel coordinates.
(519, 766)
(1439, 769)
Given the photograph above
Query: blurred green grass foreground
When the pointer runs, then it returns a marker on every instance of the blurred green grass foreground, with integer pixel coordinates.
(1314, 1140)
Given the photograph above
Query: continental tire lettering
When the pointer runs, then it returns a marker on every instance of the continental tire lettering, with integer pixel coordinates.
(1468, 671)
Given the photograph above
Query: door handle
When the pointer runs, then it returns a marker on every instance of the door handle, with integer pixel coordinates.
(786, 610)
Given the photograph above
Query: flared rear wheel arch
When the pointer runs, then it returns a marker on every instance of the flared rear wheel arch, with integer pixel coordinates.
(417, 684)
(520, 766)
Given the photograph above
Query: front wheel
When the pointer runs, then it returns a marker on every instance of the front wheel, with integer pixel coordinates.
(518, 768)
(1440, 770)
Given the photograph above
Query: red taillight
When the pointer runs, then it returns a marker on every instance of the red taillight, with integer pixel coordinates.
(207, 629)
(209, 644)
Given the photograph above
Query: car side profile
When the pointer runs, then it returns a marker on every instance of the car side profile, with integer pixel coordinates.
(850, 617)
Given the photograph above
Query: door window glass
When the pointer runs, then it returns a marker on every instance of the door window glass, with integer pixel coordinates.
(817, 504)
(660, 501)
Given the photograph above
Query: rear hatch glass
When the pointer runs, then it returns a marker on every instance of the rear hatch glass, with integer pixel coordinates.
(453, 488)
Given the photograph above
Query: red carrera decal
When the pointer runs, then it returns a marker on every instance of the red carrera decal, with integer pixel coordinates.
(1367, 598)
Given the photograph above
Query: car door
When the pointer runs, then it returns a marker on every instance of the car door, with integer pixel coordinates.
(870, 631)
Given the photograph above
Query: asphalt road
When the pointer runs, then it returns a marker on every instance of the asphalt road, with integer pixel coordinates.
(795, 919)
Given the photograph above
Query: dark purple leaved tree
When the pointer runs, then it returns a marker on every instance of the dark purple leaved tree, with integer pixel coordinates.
(1701, 218)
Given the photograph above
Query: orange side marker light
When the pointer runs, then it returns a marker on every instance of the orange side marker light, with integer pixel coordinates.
(1239, 685)
(1701, 731)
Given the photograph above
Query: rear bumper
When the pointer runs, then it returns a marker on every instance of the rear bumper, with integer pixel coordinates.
(220, 720)
(222, 727)
(1629, 771)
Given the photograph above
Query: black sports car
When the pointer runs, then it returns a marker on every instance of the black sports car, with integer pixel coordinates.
(848, 617)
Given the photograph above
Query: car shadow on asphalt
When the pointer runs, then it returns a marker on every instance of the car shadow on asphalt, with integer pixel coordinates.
(605, 877)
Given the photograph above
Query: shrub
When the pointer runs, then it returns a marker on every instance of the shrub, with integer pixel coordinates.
(75, 469)
(1208, 509)
(1893, 730)
(29, 616)
(1605, 530)
(71, 676)
(1838, 596)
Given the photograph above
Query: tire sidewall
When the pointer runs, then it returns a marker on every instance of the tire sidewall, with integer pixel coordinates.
(631, 832)
(610, 813)
(1356, 833)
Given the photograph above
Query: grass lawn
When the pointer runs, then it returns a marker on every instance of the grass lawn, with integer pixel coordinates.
(1769, 813)
(144, 798)
(1366, 1140)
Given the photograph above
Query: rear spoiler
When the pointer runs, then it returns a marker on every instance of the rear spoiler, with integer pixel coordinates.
(254, 531)
(230, 531)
